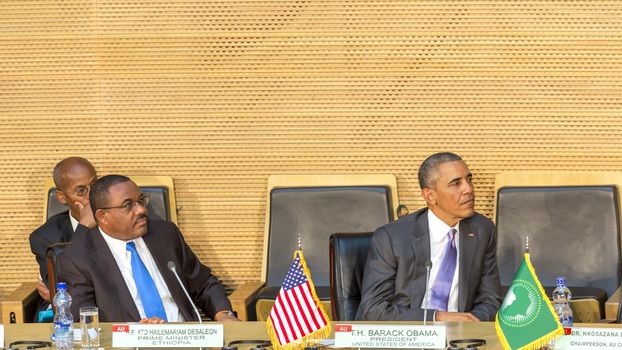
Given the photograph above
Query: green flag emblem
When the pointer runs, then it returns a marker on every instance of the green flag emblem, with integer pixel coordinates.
(526, 319)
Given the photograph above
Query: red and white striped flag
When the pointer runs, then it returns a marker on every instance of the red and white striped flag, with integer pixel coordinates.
(297, 314)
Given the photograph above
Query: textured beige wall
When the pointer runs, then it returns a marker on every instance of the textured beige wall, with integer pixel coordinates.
(220, 94)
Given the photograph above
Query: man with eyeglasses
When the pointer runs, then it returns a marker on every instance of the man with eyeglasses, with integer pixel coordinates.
(121, 266)
(72, 177)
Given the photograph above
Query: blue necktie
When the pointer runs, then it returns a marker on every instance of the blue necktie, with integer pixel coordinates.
(152, 303)
(439, 295)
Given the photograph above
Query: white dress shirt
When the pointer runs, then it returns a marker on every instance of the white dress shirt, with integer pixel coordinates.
(124, 260)
(438, 239)
(74, 222)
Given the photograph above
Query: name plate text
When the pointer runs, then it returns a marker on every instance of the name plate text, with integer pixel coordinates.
(390, 336)
(584, 338)
(167, 335)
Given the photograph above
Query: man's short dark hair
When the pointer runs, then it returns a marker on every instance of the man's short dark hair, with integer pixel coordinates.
(428, 171)
(99, 190)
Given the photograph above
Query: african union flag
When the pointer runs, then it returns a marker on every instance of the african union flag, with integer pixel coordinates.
(526, 319)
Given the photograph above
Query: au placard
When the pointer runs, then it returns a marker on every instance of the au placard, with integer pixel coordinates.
(390, 336)
(167, 335)
(585, 338)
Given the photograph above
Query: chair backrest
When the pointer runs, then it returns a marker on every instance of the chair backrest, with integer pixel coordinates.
(573, 224)
(52, 253)
(317, 206)
(159, 189)
(348, 254)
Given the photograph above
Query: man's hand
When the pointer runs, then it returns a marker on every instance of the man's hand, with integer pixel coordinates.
(223, 316)
(152, 320)
(86, 214)
(455, 316)
(43, 290)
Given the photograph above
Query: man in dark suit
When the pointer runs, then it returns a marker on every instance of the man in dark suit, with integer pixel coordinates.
(121, 266)
(72, 177)
(460, 243)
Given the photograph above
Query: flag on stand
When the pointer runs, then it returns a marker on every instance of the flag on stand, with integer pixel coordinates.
(526, 319)
(297, 315)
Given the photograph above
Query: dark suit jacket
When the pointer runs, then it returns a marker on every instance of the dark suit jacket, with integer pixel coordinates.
(395, 274)
(55, 230)
(94, 279)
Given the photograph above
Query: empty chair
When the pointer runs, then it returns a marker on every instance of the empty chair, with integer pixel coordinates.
(348, 254)
(316, 206)
(572, 221)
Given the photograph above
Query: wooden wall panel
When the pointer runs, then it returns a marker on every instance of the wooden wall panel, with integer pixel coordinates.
(221, 94)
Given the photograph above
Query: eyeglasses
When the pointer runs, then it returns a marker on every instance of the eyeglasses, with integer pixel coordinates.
(130, 204)
(80, 191)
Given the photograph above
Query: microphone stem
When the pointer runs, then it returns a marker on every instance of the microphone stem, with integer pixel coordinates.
(188, 296)
(427, 295)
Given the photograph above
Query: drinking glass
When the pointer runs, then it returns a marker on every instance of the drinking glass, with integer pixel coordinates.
(89, 323)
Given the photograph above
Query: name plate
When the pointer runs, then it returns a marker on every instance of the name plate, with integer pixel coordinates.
(590, 339)
(167, 335)
(390, 336)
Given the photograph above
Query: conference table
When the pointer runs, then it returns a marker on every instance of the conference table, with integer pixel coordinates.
(245, 330)
(257, 330)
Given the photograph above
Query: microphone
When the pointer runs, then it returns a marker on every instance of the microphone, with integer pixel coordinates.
(171, 266)
(428, 266)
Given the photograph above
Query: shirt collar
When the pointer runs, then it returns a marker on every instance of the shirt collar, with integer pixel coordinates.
(117, 245)
(74, 222)
(438, 228)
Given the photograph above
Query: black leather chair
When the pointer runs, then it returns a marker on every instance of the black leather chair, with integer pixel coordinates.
(316, 206)
(348, 254)
(159, 189)
(53, 252)
(573, 230)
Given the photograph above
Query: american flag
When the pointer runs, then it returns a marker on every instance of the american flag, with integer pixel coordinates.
(296, 312)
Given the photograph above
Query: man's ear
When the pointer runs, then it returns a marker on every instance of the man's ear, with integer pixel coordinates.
(61, 196)
(429, 195)
(100, 216)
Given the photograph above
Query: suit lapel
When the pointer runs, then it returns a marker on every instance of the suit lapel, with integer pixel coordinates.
(61, 230)
(109, 270)
(421, 241)
(421, 247)
(468, 244)
(66, 228)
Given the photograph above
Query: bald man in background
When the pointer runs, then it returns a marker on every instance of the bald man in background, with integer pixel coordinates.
(73, 177)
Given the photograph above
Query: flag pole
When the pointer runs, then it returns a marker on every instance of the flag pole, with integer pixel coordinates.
(283, 324)
(299, 248)
(526, 293)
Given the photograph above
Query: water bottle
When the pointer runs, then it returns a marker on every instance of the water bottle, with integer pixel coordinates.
(561, 302)
(63, 320)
